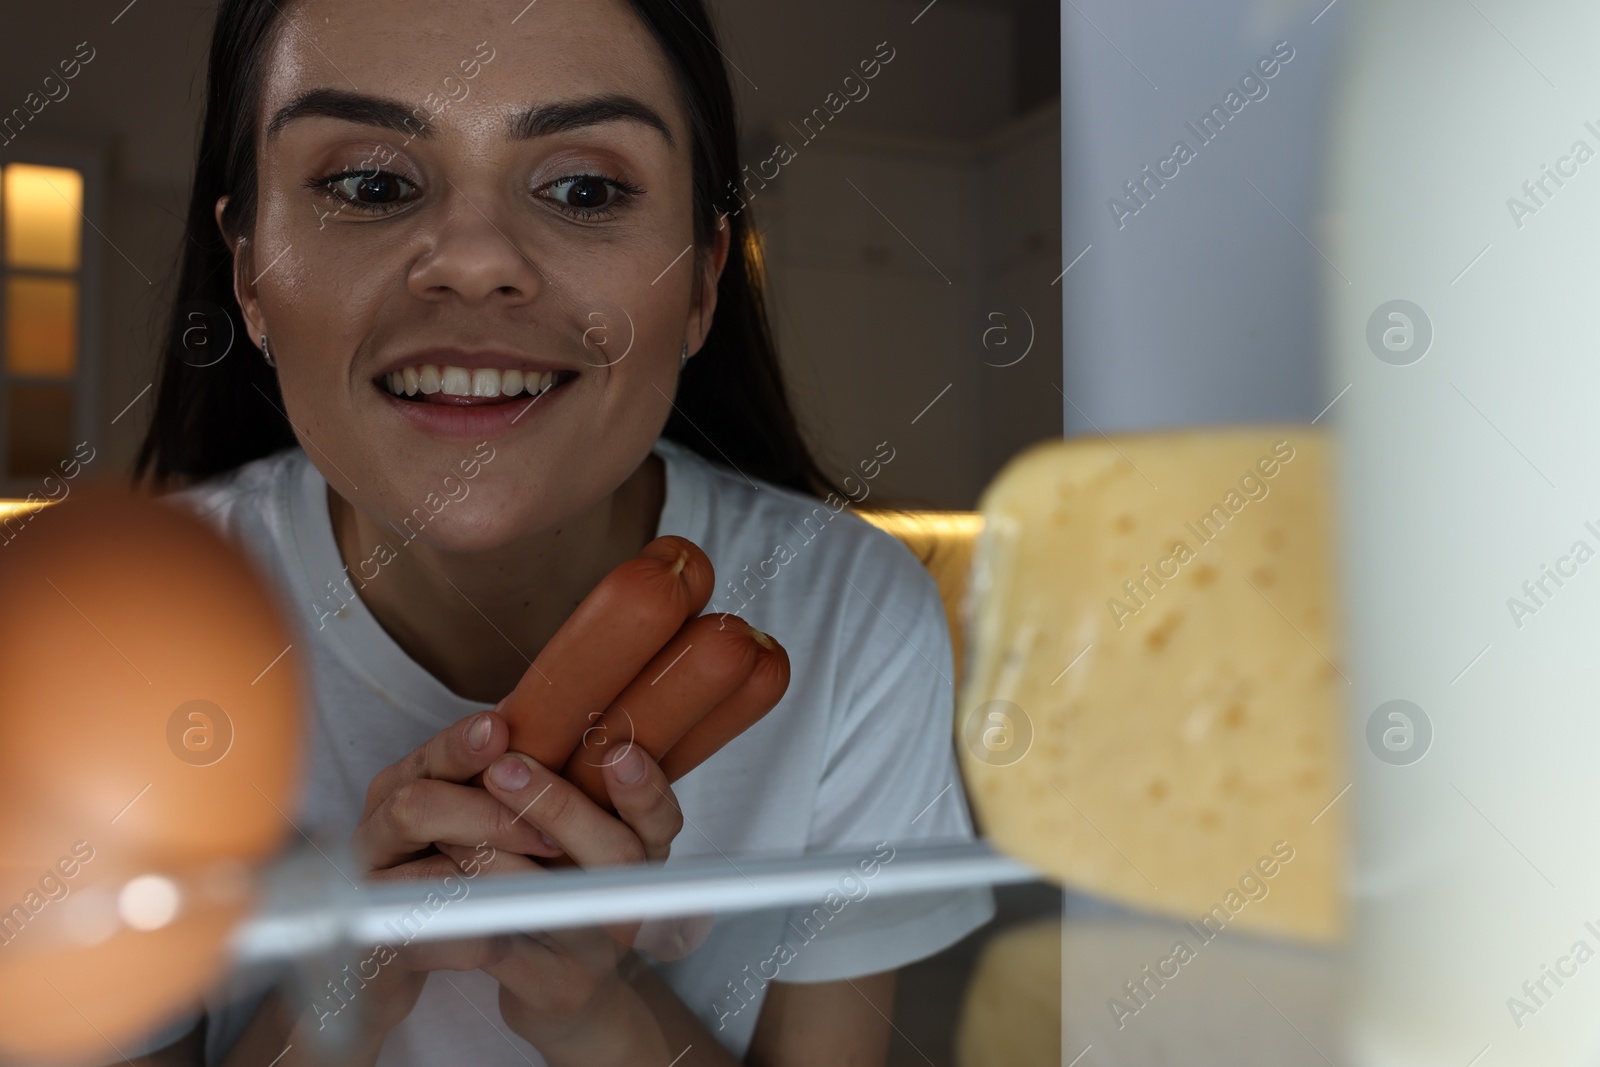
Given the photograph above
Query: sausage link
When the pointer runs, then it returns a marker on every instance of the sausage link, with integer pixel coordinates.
(603, 645)
(759, 694)
(706, 662)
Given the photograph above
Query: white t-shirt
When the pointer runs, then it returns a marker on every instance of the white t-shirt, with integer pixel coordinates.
(858, 751)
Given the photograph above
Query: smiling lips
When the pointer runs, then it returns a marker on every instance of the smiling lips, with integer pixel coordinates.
(433, 383)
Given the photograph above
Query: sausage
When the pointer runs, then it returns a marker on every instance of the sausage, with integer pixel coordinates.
(705, 663)
(603, 645)
(759, 694)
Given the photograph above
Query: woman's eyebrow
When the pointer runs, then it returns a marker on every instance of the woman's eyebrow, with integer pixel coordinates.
(540, 120)
(350, 107)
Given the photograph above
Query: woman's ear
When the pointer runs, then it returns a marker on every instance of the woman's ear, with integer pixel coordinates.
(243, 290)
(705, 299)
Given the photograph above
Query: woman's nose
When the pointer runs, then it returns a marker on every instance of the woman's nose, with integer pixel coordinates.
(475, 259)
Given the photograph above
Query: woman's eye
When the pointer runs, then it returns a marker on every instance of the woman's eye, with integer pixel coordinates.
(366, 190)
(585, 194)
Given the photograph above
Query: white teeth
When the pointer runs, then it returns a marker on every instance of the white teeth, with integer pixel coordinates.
(485, 382)
(460, 381)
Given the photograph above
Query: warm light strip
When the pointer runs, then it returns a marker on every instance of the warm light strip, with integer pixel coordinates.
(10, 508)
(945, 523)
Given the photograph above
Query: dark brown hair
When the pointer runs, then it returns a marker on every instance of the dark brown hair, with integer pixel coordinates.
(211, 417)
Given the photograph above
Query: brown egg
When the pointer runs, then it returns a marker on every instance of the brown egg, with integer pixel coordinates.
(149, 728)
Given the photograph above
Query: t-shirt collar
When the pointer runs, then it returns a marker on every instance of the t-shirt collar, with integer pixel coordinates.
(341, 618)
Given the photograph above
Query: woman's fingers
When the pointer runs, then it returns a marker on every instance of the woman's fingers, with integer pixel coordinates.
(484, 859)
(455, 954)
(585, 831)
(556, 807)
(422, 811)
(454, 754)
(441, 882)
(418, 801)
(560, 977)
(674, 938)
(480, 861)
(639, 790)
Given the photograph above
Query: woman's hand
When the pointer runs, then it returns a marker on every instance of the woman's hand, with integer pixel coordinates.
(567, 992)
(421, 802)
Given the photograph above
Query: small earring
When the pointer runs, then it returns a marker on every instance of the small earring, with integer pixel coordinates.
(683, 360)
(265, 353)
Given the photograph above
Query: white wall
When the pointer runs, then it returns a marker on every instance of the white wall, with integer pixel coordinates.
(1015, 186)
(875, 324)
(879, 306)
(1202, 307)
(951, 76)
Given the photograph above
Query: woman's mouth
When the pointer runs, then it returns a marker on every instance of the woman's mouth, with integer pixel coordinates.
(432, 383)
(450, 402)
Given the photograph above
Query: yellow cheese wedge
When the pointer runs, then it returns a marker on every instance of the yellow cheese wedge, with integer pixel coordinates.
(1011, 1013)
(1151, 706)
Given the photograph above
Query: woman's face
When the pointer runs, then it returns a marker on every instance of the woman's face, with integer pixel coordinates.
(461, 203)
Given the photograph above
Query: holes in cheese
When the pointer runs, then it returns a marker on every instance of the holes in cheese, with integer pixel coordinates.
(1155, 615)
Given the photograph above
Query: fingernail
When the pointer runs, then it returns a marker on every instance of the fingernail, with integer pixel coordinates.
(510, 772)
(629, 765)
(550, 843)
(478, 733)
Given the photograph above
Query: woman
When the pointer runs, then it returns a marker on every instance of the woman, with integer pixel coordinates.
(510, 330)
